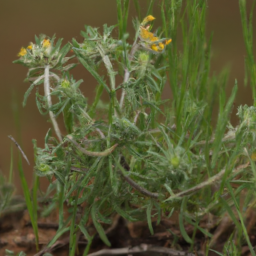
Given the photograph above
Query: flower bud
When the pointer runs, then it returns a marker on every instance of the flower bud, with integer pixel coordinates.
(175, 161)
(65, 83)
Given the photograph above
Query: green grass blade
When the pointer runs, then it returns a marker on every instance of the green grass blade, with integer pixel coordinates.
(150, 7)
(98, 227)
(221, 126)
(241, 219)
(88, 237)
(137, 8)
(149, 210)
(120, 18)
(181, 223)
(28, 200)
(99, 92)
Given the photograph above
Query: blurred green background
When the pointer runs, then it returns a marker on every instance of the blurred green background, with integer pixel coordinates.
(21, 20)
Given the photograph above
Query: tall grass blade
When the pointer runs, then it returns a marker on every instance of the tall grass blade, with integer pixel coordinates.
(33, 216)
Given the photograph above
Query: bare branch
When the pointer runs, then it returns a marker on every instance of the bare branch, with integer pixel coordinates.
(139, 188)
(140, 249)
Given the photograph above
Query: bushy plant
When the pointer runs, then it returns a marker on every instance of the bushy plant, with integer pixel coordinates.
(138, 155)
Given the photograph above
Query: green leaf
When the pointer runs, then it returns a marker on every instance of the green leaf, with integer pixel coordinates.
(152, 84)
(75, 43)
(149, 210)
(38, 81)
(68, 117)
(37, 40)
(28, 200)
(77, 84)
(98, 227)
(99, 92)
(39, 104)
(59, 233)
(46, 138)
(91, 70)
(150, 7)
(183, 231)
(62, 53)
(181, 223)
(137, 8)
(56, 47)
(221, 126)
(152, 105)
(121, 212)
(241, 218)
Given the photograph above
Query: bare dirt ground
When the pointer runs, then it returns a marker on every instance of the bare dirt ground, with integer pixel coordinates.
(127, 238)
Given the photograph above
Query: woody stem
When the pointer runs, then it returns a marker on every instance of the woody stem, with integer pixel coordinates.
(47, 94)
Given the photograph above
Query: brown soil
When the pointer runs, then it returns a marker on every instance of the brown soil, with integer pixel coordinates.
(16, 234)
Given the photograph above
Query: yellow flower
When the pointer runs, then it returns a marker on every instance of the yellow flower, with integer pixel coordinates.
(148, 38)
(158, 47)
(30, 47)
(145, 35)
(47, 46)
(154, 47)
(46, 43)
(147, 19)
(161, 46)
(168, 41)
(22, 52)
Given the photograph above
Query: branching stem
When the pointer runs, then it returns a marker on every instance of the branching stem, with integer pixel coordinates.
(136, 186)
(90, 153)
(206, 183)
(127, 73)
(47, 94)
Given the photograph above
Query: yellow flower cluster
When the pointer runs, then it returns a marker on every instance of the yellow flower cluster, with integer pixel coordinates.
(46, 43)
(150, 41)
(23, 51)
(147, 19)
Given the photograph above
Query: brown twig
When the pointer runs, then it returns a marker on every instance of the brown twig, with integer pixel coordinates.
(58, 244)
(140, 249)
(139, 188)
(19, 147)
(45, 225)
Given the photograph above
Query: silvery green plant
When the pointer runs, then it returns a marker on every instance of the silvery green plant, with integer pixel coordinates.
(136, 154)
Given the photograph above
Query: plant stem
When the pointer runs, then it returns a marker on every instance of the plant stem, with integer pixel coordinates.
(47, 94)
(136, 186)
(206, 183)
(127, 73)
(90, 153)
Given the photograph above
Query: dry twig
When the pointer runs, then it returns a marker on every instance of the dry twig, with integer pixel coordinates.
(140, 249)
(19, 147)
(142, 190)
